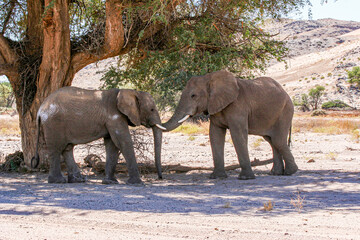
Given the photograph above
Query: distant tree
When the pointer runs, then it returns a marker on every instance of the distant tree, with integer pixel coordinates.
(315, 96)
(354, 76)
(6, 95)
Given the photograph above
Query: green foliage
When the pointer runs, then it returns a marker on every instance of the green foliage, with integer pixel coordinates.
(315, 96)
(354, 75)
(303, 103)
(334, 104)
(207, 37)
(6, 95)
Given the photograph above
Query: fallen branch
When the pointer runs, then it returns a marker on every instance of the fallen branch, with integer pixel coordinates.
(99, 166)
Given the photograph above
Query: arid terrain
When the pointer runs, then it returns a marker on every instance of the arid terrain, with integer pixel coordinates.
(320, 201)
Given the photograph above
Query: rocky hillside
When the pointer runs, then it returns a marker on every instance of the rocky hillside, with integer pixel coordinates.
(321, 52)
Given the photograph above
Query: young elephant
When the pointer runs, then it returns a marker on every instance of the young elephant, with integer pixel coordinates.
(72, 116)
(259, 107)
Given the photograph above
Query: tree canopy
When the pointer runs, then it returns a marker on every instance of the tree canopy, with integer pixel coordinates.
(201, 37)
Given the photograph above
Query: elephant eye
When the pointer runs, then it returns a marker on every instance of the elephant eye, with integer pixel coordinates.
(193, 95)
(152, 110)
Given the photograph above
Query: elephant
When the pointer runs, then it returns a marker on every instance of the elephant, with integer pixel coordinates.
(72, 116)
(257, 107)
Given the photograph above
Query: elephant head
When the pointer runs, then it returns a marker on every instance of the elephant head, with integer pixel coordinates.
(210, 93)
(140, 109)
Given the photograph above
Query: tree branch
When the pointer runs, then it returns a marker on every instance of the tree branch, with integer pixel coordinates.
(8, 69)
(6, 52)
(114, 38)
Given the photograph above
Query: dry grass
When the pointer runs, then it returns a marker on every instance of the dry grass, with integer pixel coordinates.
(328, 126)
(193, 128)
(297, 201)
(268, 206)
(356, 135)
(9, 126)
(256, 144)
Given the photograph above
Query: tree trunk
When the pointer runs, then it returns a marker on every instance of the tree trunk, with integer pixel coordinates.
(46, 62)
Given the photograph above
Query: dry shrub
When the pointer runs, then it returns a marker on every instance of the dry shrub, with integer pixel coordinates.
(297, 201)
(9, 127)
(356, 135)
(205, 125)
(268, 206)
(14, 162)
(256, 144)
(142, 141)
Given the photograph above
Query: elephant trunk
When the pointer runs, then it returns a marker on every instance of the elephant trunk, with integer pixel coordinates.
(157, 149)
(176, 120)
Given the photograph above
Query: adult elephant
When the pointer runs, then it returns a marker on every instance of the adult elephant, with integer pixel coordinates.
(259, 107)
(72, 116)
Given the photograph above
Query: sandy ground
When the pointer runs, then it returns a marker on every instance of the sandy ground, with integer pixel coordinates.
(191, 205)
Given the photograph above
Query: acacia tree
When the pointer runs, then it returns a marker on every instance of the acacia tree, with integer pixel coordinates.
(43, 43)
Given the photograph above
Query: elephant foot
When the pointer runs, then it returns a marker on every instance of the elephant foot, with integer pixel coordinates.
(134, 181)
(219, 174)
(290, 169)
(277, 171)
(109, 181)
(57, 179)
(246, 174)
(76, 178)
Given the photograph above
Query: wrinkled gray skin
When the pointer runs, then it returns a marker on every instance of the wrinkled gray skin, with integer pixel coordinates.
(258, 107)
(72, 116)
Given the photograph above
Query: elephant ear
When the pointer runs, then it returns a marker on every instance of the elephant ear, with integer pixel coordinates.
(223, 90)
(128, 104)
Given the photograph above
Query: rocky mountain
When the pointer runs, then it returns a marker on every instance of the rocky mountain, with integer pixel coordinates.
(321, 53)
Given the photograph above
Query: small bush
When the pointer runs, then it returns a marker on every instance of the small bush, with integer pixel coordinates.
(318, 113)
(356, 135)
(354, 75)
(334, 104)
(297, 201)
(268, 206)
(258, 142)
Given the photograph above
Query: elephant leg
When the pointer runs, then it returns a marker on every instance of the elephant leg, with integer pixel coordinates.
(112, 155)
(74, 174)
(283, 148)
(217, 141)
(278, 164)
(122, 140)
(55, 175)
(239, 137)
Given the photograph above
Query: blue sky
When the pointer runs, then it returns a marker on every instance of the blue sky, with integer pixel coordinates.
(340, 9)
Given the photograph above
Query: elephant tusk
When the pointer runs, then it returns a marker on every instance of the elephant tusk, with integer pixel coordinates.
(161, 127)
(184, 119)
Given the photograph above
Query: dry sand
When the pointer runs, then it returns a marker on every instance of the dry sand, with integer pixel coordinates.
(191, 205)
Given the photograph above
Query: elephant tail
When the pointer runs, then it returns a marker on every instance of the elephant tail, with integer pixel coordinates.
(289, 139)
(36, 159)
